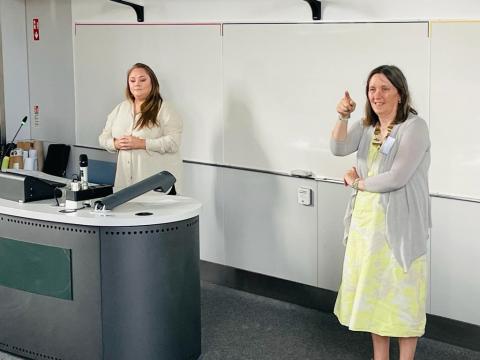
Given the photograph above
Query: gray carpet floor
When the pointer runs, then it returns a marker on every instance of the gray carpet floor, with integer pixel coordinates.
(241, 326)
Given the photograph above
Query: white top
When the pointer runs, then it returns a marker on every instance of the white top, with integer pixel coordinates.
(162, 145)
(165, 209)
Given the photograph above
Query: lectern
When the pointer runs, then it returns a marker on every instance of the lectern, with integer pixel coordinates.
(115, 286)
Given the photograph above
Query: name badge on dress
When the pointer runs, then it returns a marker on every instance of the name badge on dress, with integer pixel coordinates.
(387, 145)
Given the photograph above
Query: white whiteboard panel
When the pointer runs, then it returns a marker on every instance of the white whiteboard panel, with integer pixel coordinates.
(282, 83)
(187, 61)
(455, 125)
(455, 267)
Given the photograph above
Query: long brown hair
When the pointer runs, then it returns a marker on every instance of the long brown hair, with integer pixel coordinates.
(150, 107)
(398, 80)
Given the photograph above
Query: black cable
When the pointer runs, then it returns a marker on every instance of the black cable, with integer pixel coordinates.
(55, 194)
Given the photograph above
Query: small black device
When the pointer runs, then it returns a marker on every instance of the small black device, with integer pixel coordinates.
(93, 192)
(57, 160)
(25, 188)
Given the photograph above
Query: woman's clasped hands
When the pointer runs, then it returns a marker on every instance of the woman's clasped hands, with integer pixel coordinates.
(129, 142)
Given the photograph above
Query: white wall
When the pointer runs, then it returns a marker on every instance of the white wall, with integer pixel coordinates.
(15, 66)
(16, 29)
(275, 10)
(51, 71)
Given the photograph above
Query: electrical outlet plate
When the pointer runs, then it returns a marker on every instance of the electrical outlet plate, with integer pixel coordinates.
(304, 195)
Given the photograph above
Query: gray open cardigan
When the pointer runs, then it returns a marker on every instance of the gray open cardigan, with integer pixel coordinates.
(402, 181)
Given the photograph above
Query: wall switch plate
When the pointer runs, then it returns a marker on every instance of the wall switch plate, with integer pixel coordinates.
(304, 195)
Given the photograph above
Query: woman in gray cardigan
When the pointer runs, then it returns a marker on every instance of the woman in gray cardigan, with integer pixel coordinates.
(384, 279)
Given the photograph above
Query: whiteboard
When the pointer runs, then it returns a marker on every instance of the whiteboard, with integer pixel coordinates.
(259, 96)
(282, 83)
(187, 61)
(455, 126)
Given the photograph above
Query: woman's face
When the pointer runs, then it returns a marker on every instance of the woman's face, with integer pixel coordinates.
(139, 84)
(383, 97)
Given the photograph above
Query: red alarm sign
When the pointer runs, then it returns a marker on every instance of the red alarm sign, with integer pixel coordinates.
(36, 30)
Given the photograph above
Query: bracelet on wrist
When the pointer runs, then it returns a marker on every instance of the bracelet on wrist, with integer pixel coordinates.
(355, 183)
(343, 119)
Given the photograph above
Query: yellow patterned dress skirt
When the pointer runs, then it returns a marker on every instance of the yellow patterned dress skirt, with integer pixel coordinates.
(376, 295)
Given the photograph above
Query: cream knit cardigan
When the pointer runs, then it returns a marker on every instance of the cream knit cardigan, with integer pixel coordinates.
(402, 181)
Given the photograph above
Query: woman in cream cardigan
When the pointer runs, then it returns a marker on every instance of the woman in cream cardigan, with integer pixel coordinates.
(144, 130)
(384, 279)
